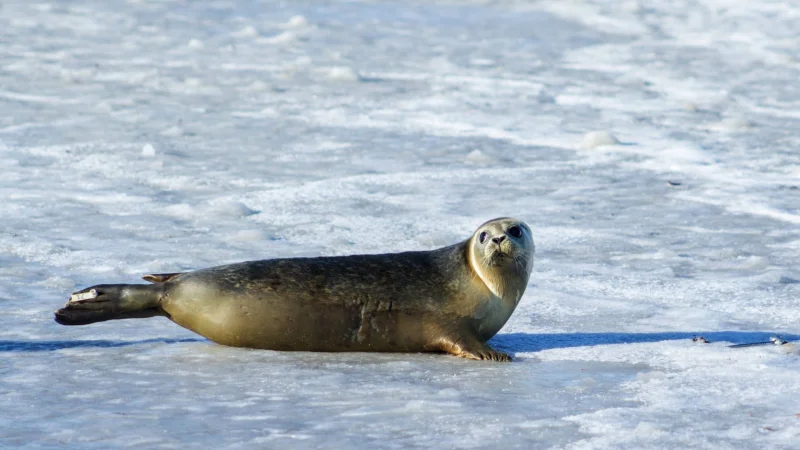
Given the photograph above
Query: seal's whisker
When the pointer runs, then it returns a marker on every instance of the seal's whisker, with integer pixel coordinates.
(518, 261)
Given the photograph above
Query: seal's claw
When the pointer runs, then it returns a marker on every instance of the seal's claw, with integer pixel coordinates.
(498, 356)
(484, 353)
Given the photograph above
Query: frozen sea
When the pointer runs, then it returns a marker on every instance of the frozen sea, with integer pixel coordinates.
(140, 137)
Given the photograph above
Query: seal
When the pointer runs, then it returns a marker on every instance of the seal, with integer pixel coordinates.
(452, 299)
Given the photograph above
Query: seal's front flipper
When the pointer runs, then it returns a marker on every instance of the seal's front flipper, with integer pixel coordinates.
(111, 301)
(466, 343)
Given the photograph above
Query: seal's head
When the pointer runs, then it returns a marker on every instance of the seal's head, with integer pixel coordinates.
(501, 253)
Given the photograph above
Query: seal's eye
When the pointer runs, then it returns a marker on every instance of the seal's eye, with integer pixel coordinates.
(483, 236)
(515, 231)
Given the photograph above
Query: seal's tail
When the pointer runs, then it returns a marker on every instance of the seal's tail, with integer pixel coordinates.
(111, 301)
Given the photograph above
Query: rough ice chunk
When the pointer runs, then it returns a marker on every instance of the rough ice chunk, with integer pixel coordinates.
(148, 150)
(297, 22)
(597, 139)
(343, 73)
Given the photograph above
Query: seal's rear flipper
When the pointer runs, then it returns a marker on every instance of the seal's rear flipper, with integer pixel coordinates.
(111, 301)
(160, 277)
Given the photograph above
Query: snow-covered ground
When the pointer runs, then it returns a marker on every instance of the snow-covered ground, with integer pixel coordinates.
(140, 137)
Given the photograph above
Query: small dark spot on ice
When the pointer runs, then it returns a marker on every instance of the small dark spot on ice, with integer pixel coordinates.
(673, 183)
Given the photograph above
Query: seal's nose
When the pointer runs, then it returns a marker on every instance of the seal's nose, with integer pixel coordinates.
(499, 239)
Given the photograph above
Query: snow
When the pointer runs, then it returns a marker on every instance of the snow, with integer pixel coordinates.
(343, 74)
(148, 137)
(596, 139)
(148, 150)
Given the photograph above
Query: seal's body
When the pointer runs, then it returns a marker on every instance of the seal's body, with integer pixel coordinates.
(451, 299)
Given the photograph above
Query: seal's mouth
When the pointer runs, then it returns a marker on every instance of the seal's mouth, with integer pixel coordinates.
(499, 257)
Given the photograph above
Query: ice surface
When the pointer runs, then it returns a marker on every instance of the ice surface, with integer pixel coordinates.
(150, 137)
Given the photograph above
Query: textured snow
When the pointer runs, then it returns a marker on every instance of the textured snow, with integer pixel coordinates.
(595, 139)
(140, 137)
